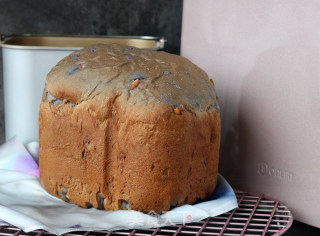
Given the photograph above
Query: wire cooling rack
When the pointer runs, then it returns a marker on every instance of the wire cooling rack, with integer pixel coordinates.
(256, 215)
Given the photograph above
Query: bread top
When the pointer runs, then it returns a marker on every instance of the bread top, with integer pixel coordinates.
(142, 76)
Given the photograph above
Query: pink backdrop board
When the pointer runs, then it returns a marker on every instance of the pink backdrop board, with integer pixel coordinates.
(264, 57)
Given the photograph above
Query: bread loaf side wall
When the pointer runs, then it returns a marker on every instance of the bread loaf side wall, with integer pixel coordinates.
(119, 156)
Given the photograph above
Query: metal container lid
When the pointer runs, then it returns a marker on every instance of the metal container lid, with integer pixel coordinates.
(77, 42)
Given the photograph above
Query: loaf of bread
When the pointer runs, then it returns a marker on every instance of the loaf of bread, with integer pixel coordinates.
(128, 128)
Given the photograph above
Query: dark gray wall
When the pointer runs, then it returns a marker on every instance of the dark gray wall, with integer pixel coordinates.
(90, 17)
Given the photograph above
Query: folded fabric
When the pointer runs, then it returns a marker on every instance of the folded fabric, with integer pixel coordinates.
(25, 204)
(14, 156)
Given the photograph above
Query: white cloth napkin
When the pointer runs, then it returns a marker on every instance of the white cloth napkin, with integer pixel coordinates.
(25, 204)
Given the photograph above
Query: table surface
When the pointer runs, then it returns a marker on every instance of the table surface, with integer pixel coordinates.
(299, 228)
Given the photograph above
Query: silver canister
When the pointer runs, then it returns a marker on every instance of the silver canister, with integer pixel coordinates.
(27, 59)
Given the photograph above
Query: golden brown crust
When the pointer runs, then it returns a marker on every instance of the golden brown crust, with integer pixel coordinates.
(105, 145)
